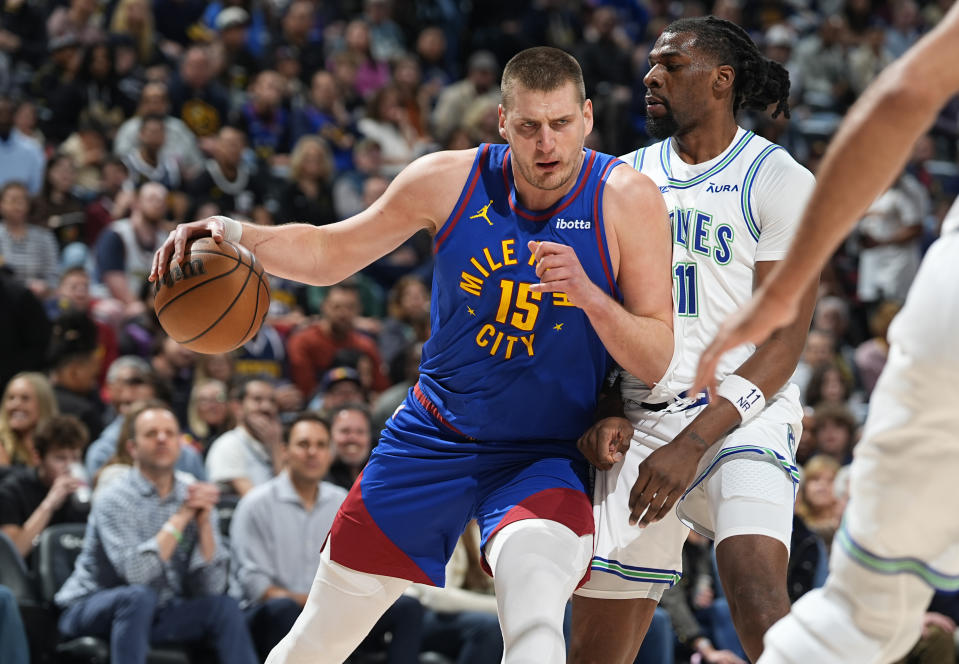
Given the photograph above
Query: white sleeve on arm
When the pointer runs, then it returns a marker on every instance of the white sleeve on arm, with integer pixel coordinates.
(779, 195)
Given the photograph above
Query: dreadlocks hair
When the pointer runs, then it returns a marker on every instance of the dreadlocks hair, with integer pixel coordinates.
(759, 81)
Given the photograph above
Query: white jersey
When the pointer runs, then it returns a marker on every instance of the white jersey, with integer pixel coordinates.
(727, 214)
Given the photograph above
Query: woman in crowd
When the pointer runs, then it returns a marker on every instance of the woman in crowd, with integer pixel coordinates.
(816, 502)
(28, 250)
(28, 402)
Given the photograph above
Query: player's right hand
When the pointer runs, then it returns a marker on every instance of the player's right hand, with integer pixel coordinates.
(175, 244)
(663, 478)
(606, 442)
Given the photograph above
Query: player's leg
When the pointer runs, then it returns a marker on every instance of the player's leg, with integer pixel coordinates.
(752, 504)
(536, 563)
(342, 607)
(609, 631)
(896, 544)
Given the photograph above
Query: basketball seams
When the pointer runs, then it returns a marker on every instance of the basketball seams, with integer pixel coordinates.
(225, 311)
(202, 283)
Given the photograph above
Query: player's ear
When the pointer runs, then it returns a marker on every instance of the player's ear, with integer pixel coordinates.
(502, 121)
(725, 75)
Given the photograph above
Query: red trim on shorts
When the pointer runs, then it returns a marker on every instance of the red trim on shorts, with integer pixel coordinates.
(568, 507)
(569, 198)
(597, 225)
(433, 410)
(358, 543)
(466, 199)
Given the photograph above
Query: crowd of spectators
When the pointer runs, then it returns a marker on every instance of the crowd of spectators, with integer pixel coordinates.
(121, 118)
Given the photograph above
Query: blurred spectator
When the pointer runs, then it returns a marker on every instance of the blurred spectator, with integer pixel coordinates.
(871, 354)
(112, 201)
(264, 119)
(340, 386)
(138, 334)
(868, 58)
(816, 502)
(371, 72)
(348, 189)
(451, 106)
(21, 158)
(828, 385)
(387, 41)
(416, 98)
(407, 322)
(352, 443)
(433, 57)
(208, 415)
(107, 103)
(152, 565)
(228, 184)
(265, 354)
(835, 432)
(808, 560)
(218, 366)
(177, 22)
(28, 404)
(607, 72)
(145, 163)
(75, 358)
(279, 529)
(388, 123)
(903, 32)
(344, 68)
(197, 97)
(58, 207)
(57, 88)
(27, 122)
(821, 57)
(889, 235)
(51, 493)
(124, 250)
(248, 455)
(307, 197)
(179, 141)
(176, 366)
(237, 64)
(324, 114)
(298, 33)
(390, 399)
(80, 19)
(311, 350)
(87, 148)
(134, 18)
(30, 336)
(13, 636)
(22, 34)
(29, 251)
(820, 349)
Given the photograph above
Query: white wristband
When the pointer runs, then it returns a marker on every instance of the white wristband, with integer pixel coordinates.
(748, 399)
(232, 229)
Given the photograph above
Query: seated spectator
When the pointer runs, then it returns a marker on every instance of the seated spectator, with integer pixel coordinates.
(152, 568)
(107, 101)
(32, 499)
(816, 502)
(124, 250)
(111, 202)
(279, 528)
(228, 185)
(871, 354)
(198, 99)
(408, 322)
(56, 87)
(238, 64)
(57, 207)
(264, 119)
(828, 384)
(352, 437)
(146, 164)
(247, 455)
(339, 386)
(29, 251)
(14, 648)
(388, 123)
(134, 18)
(325, 115)
(312, 349)
(175, 365)
(208, 414)
(307, 197)
(835, 431)
(79, 18)
(348, 187)
(179, 142)
(130, 380)
(808, 560)
(28, 403)
(820, 349)
(455, 99)
(31, 335)
(75, 358)
(21, 158)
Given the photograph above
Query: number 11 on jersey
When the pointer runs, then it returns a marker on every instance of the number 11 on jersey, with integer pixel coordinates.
(687, 289)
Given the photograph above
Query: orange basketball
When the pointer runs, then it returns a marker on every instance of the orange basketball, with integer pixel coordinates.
(216, 299)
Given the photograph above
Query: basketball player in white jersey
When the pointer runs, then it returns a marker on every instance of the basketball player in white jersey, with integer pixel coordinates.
(900, 537)
(729, 466)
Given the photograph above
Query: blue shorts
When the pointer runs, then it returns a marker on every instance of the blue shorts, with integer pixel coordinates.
(424, 483)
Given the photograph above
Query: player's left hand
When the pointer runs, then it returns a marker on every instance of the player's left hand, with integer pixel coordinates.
(663, 478)
(560, 271)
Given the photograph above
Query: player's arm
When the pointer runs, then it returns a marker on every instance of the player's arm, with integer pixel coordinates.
(639, 333)
(421, 196)
(870, 148)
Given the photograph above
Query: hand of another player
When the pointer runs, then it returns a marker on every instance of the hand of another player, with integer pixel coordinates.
(175, 244)
(760, 317)
(663, 478)
(932, 619)
(606, 442)
(560, 271)
(722, 657)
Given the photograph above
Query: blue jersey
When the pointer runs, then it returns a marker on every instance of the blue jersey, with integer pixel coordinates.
(505, 363)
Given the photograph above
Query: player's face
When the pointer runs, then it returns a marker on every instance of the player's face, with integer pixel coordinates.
(546, 131)
(678, 85)
(309, 452)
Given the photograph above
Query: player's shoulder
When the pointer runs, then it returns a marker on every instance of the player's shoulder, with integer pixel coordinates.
(773, 160)
(627, 182)
(636, 158)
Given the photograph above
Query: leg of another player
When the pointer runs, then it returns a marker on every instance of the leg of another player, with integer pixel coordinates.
(342, 607)
(609, 631)
(536, 565)
(752, 569)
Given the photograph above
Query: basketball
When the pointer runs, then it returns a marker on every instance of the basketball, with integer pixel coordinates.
(215, 300)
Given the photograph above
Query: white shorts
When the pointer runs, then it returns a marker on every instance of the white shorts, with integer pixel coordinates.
(731, 495)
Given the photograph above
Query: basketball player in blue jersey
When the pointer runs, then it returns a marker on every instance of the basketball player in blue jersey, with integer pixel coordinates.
(537, 242)
(727, 462)
(899, 540)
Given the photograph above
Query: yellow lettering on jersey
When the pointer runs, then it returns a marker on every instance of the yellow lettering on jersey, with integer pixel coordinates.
(528, 342)
(562, 300)
(481, 340)
(510, 340)
(493, 265)
(479, 267)
(471, 284)
(509, 255)
(499, 338)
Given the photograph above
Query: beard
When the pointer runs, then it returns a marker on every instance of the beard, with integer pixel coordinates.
(662, 127)
(548, 181)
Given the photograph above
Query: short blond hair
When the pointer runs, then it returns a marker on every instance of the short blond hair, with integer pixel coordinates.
(542, 68)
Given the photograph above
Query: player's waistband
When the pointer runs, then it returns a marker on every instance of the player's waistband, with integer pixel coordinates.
(434, 411)
(679, 404)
